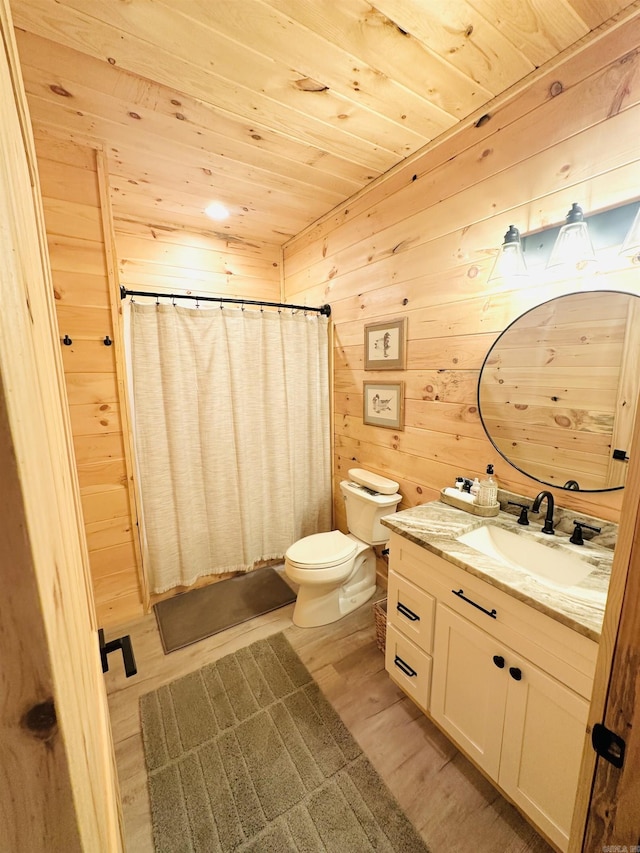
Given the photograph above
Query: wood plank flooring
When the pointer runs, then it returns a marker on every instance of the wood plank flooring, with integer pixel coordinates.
(447, 799)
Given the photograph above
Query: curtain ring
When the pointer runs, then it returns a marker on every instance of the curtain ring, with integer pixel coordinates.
(197, 302)
(173, 300)
(157, 299)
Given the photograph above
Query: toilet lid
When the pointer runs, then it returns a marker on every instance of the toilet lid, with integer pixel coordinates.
(321, 550)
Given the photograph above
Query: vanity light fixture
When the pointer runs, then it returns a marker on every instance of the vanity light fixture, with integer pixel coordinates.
(573, 246)
(216, 210)
(613, 231)
(509, 262)
(631, 244)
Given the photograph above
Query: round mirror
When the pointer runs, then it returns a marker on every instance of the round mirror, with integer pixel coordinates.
(558, 389)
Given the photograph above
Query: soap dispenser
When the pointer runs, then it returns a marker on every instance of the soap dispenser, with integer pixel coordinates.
(488, 494)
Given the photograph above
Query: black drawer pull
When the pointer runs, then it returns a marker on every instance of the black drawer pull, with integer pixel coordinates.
(402, 665)
(499, 661)
(404, 610)
(515, 673)
(460, 594)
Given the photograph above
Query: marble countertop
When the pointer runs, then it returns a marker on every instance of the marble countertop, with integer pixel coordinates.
(435, 526)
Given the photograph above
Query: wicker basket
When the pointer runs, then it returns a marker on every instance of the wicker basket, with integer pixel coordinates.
(380, 617)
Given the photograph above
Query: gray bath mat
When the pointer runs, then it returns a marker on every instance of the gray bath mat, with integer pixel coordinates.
(247, 755)
(200, 613)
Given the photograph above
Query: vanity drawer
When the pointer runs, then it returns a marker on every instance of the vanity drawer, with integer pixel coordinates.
(409, 667)
(411, 610)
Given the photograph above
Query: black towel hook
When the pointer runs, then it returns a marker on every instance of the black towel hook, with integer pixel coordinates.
(67, 341)
(107, 341)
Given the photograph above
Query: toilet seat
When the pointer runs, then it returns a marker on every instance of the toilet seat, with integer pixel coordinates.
(321, 551)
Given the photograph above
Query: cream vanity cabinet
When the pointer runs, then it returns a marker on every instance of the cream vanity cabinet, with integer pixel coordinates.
(508, 684)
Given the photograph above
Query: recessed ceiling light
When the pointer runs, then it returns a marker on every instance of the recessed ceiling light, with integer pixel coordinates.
(216, 210)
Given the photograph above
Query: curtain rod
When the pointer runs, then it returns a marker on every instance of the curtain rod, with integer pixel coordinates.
(325, 310)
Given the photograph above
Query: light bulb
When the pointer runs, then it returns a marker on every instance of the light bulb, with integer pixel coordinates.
(510, 259)
(573, 247)
(216, 210)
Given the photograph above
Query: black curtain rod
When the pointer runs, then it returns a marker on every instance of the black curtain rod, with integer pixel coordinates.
(325, 310)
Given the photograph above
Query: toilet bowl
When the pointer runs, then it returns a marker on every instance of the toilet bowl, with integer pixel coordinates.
(336, 572)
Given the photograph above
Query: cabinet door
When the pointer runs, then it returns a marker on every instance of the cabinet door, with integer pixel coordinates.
(469, 687)
(544, 732)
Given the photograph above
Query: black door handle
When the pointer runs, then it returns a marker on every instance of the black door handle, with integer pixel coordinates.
(515, 673)
(499, 661)
(122, 644)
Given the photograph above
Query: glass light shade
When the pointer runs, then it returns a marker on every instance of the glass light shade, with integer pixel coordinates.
(631, 244)
(573, 247)
(509, 262)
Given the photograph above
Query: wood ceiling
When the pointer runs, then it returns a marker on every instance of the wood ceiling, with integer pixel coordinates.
(280, 109)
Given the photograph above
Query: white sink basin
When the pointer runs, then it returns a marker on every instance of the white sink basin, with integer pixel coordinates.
(551, 566)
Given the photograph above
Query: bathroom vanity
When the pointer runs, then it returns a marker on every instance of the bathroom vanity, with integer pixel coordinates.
(500, 658)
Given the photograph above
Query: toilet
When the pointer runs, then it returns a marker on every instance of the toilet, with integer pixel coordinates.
(336, 572)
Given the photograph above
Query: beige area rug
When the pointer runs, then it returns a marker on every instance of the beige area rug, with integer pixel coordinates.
(197, 614)
(246, 754)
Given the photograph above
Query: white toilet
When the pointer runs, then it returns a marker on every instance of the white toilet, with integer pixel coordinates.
(337, 572)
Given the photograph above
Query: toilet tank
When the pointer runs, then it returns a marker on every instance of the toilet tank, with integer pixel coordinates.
(368, 498)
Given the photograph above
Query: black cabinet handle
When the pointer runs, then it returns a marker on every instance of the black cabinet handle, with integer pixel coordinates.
(515, 673)
(402, 665)
(499, 661)
(493, 613)
(404, 610)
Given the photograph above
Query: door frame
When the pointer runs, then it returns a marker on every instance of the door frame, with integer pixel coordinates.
(56, 752)
(601, 786)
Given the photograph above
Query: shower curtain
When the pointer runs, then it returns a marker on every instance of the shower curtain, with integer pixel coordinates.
(231, 425)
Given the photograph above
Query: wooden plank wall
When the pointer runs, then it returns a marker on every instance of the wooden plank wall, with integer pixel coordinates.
(68, 173)
(421, 243)
(168, 260)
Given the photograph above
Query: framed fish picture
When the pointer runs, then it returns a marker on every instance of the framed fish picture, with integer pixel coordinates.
(383, 404)
(385, 345)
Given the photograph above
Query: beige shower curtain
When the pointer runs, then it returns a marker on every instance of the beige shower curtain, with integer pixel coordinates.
(231, 413)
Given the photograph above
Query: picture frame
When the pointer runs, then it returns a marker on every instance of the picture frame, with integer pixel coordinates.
(385, 345)
(383, 404)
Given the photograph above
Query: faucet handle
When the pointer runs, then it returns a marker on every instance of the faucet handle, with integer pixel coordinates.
(576, 536)
(524, 509)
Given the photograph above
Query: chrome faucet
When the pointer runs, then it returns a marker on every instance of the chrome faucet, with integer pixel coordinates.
(548, 519)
